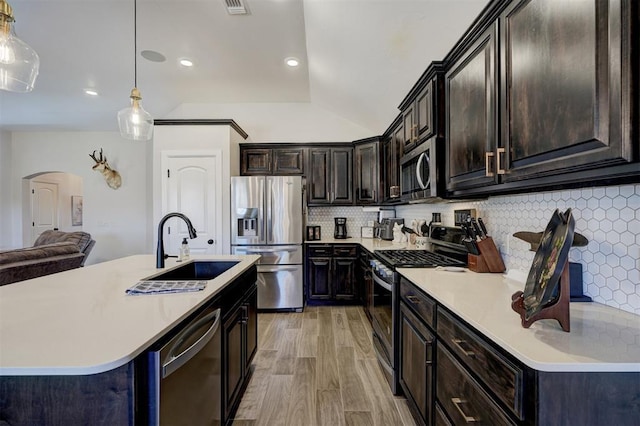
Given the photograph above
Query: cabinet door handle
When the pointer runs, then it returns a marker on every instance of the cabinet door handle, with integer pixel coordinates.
(457, 402)
(487, 166)
(499, 168)
(459, 343)
(413, 299)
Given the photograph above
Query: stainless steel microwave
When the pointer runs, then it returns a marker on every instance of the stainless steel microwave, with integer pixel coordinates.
(419, 174)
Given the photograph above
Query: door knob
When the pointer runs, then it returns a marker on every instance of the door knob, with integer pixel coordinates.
(210, 242)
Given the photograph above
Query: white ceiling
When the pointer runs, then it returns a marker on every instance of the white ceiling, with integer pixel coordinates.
(359, 58)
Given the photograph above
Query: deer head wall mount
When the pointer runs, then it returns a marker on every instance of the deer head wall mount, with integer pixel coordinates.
(111, 176)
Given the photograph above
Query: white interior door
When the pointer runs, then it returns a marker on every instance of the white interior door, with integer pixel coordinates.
(44, 208)
(193, 188)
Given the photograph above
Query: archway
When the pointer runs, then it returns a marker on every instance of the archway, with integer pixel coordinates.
(50, 200)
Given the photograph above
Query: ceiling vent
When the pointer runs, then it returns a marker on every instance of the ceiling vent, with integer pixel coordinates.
(236, 7)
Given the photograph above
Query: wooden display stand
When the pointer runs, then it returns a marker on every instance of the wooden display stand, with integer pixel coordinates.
(558, 310)
(489, 259)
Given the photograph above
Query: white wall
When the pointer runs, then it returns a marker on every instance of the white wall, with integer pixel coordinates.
(284, 122)
(116, 219)
(6, 207)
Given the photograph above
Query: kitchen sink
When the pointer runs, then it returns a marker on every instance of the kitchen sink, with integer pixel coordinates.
(197, 270)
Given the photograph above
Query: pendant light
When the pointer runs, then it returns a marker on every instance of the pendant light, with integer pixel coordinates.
(135, 123)
(19, 63)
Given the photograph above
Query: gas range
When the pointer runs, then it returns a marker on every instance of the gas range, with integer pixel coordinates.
(416, 259)
(447, 250)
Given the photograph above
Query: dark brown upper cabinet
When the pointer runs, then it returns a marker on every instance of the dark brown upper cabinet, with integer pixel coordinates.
(367, 171)
(471, 124)
(550, 103)
(288, 161)
(271, 159)
(255, 161)
(419, 109)
(566, 79)
(330, 175)
(390, 152)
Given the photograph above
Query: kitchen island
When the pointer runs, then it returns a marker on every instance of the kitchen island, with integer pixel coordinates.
(77, 338)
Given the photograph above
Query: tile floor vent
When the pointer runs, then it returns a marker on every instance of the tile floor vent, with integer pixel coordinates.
(236, 7)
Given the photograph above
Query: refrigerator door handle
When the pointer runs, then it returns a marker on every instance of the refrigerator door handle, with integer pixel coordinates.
(269, 198)
(258, 251)
(263, 269)
(261, 219)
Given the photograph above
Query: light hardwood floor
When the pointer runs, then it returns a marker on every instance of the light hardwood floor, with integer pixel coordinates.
(318, 368)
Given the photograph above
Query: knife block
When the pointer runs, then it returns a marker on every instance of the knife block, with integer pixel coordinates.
(489, 259)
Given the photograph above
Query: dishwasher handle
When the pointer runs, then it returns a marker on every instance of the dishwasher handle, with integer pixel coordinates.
(177, 361)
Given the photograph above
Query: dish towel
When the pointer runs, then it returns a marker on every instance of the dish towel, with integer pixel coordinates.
(159, 287)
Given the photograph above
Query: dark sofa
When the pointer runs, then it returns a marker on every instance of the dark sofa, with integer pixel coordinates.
(53, 251)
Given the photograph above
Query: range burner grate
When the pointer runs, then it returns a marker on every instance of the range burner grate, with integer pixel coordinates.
(416, 258)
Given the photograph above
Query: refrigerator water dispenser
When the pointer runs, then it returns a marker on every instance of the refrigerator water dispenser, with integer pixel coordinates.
(247, 222)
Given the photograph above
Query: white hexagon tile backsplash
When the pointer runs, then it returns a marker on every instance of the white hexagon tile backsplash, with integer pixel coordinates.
(609, 217)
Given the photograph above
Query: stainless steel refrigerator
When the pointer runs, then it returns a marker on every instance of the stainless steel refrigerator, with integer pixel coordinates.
(268, 219)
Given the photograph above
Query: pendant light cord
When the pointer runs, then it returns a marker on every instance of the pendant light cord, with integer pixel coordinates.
(135, 43)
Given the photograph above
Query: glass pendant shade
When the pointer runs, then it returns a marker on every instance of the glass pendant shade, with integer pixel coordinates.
(19, 63)
(135, 123)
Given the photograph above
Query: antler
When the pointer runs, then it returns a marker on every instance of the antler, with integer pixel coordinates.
(102, 160)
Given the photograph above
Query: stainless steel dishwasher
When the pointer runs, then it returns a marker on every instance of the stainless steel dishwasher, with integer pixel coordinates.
(185, 374)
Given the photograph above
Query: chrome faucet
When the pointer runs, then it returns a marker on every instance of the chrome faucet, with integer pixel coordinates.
(160, 250)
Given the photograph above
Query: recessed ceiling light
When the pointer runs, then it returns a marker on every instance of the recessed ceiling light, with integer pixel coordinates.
(186, 62)
(292, 62)
(153, 56)
(91, 92)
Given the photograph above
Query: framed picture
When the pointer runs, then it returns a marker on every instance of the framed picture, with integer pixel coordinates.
(76, 210)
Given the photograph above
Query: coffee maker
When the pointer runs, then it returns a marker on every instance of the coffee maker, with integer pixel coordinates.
(340, 230)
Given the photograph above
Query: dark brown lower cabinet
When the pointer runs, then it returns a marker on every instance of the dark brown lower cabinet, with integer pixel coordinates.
(251, 306)
(440, 418)
(478, 382)
(331, 273)
(417, 345)
(344, 282)
(319, 278)
(240, 343)
(461, 397)
(233, 362)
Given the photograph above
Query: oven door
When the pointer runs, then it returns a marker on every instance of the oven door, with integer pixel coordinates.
(419, 173)
(384, 333)
(382, 317)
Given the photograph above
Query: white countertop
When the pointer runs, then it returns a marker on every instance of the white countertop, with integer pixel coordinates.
(81, 321)
(601, 339)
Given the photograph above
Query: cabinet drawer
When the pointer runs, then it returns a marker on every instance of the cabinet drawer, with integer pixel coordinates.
(421, 304)
(461, 397)
(499, 374)
(340, 250)
(441, 418)
(323, 250)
